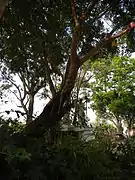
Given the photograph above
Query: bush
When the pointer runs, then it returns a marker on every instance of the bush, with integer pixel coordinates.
(99, 159)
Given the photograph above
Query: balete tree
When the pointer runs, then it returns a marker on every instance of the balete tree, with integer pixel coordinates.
(64, 35)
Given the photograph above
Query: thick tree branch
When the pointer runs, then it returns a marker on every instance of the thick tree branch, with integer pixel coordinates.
(25, 86)
(72, 65)
(119, 34)
(76, 33)
(93, 51)
(73, 61)
(73, 5)
(30, 108)
(51, 85)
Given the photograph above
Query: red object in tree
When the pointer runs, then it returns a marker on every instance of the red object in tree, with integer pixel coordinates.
(132, 25)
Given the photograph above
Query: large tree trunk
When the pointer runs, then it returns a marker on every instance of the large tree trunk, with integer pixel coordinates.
(57, 107)
(60, 103)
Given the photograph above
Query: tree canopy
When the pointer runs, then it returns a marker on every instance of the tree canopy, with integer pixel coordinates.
(113, 90)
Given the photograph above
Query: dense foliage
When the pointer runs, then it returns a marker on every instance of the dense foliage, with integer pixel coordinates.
(104, 157)
(36, 44)
(113, 90)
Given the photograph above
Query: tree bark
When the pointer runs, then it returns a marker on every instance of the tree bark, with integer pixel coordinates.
(56, 108)
(30, 109)
(3, 4)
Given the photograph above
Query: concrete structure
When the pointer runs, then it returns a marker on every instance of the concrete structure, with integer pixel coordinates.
(84, 133)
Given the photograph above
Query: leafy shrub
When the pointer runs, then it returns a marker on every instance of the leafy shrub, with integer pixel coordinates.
(98, 159)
